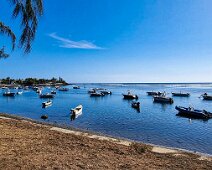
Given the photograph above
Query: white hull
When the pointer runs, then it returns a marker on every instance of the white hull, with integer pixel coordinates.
(76, 112)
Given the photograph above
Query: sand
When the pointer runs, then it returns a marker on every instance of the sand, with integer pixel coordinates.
(31, 145)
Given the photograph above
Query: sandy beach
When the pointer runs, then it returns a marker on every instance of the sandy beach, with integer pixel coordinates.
(25, 144)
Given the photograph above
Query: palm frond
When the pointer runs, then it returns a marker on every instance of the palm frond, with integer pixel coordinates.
(6, 30)
(29, 11)
(3, 54)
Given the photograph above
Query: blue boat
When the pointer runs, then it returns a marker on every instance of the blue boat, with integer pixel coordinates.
(194, 113)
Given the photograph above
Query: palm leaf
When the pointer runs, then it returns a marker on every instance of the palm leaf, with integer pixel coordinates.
(29, 11)
(6, 30)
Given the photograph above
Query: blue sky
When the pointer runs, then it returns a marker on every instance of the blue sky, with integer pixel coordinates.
(116, 41)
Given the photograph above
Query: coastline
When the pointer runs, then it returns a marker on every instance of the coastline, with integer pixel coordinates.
(84, 132)
(144, 149)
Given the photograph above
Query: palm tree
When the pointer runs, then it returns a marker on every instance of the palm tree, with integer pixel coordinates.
(29, 11)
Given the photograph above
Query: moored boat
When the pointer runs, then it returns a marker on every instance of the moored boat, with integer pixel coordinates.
(136, 105)
(96, 94)
(46, 103)
(153, 93)
(63, 89)
(105, 92)
(130, 96)
(163, 99)
(206, 96)
(76, 87)
(191, 112)
(76, 112)
(39, 91)
(53, 92)
(92, 91)
(19, 92)
(180, 94)
(47, 95)
(9, 94)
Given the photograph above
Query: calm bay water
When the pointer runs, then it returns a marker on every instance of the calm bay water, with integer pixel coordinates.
(111, 115)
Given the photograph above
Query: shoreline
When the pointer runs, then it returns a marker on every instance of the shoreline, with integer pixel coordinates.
(99, 134)
(29, 144)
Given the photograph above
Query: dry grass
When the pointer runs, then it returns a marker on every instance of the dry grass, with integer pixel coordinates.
(25, 145)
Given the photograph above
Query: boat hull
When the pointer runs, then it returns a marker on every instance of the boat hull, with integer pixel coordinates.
(152, 93)
(76, 112)
(159, 99)
(193, 113)
(207, 97)
(126, 96)
(47, 96)
(45, 104)
(181, 94)
(96, 94)
(9, 94)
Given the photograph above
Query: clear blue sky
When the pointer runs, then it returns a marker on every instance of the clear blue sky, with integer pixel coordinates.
(117, 41)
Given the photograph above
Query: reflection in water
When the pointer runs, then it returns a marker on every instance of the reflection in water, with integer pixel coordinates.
(192, 118)
(164, 106)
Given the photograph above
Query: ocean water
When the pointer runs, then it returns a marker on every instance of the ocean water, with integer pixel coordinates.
(112, 115)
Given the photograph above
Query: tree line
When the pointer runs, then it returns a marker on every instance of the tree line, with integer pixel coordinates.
(32, 81)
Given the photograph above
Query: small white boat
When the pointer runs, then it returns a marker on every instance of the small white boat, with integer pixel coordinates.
(19, 92)
(39, 91)
(96, 94)
(76, 112)
(92, 91)
(53, 92)
(47, 103)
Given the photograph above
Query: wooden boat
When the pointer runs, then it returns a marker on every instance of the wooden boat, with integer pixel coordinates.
(136, 105)
(8, 94)
(53, 92)
(46, 103)
(191, 112)
(180, 94)
(47, 95)
(76, 112)
(130, 96)
(76, 87)
(96, 94)
(153, 93)
(19, 92)
(63, 89)
(163, 99)
(206, 97)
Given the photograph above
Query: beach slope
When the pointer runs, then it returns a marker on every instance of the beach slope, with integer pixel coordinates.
(29, 145)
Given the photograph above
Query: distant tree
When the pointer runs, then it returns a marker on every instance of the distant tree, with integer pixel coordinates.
(29, 11)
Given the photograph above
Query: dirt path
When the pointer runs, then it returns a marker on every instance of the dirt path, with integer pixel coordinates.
(27, 145)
